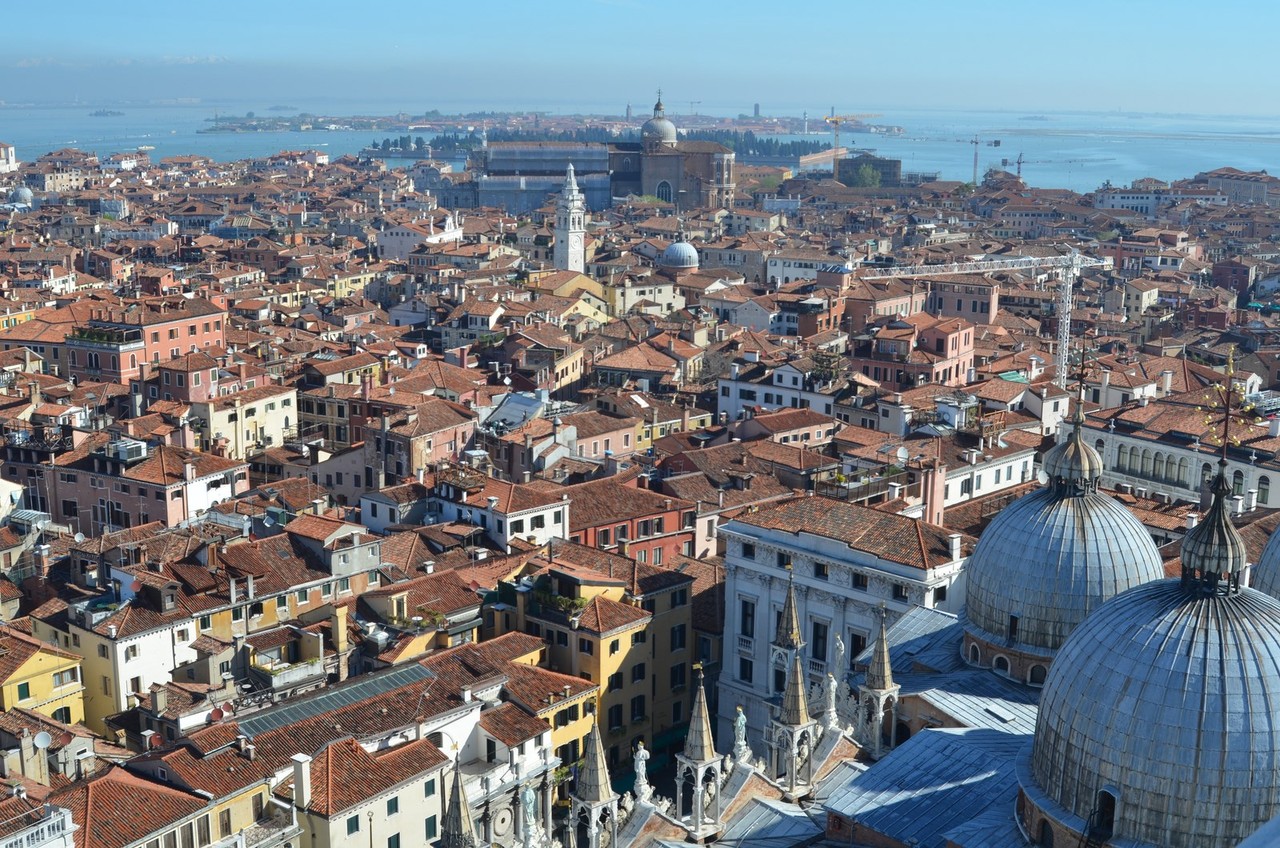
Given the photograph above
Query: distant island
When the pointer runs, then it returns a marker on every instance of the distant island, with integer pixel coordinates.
(105, 113)
(282, 108)
(1034, 118)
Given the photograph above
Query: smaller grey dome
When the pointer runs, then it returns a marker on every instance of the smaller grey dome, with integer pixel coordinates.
(680, 254)
(1265, 574)
(1214, 547)
(21, 194)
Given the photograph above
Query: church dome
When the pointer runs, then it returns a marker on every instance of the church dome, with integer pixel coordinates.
(1049, 559)
(21, 194)
(658, 129)
(1159, 711)
(680, 254)
(1052, 557)
(1265, 574)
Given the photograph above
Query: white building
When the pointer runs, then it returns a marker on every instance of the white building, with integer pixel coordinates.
(396, 243)
(8, 158)
(845, 562)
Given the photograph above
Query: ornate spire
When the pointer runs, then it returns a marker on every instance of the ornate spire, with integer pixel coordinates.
(795, 707)
(1213, 552)
(788, 634)
(658, 109)
(699, 747)
(880, 671)
(570, 182)
(592, 786)
(457, 830)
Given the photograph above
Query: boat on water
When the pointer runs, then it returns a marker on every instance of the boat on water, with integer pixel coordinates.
(144, 148)
(105, 113)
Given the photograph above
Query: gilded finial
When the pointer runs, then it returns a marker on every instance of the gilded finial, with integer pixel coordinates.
(1228, 398)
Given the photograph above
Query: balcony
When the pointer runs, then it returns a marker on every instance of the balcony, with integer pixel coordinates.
(277, 827)
(818, 667)
(746, 644)
(279, 676)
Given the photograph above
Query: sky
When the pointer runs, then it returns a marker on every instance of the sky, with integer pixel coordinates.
(598, 55)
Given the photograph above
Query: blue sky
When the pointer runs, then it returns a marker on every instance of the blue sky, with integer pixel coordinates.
(597, 55)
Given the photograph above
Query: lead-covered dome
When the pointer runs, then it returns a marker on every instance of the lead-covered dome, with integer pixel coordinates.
(1158, 724)
(680, 254)
(1167, 701)
(1265, 574)
(659, 129)
(1055, 555)
(21, 194)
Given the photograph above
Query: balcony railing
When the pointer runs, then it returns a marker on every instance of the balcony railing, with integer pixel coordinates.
(817, 666)
(746, 643)
(278, 675)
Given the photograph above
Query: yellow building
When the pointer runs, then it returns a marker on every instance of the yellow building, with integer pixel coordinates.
(623, 625)
(40, 677)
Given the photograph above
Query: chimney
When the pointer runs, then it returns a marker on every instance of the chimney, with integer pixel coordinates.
(160, 700)
(249, 593)
(1166, 381)
(1273, 427)
(1193, 518)
(1251, 500)
(422, 475)
(338, 629)
(301, 781)
(955, 539)
(1237, 505)
(466, 694)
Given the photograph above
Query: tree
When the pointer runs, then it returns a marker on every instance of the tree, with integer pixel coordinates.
(866, 177)
(420, 143)
(386, 144)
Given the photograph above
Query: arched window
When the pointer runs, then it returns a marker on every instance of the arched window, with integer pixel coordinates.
(663, 191)
(62, 714)
(1046, 834)
(1237, 483)
(975, 655)
(1264, 489)
(1183, 468)
(1037, 675)
(1001, 665)
(1102, 822)
(1122, 459)
(1146, 463)
(1157, 467)
(1206, 473)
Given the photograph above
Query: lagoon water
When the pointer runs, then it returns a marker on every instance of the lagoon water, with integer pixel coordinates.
(1073, 150)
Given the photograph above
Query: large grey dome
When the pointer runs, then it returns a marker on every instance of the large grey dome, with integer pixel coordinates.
(1050, 558)
(680, 254)
(658, 129)
(1168, 698)
(21, 194)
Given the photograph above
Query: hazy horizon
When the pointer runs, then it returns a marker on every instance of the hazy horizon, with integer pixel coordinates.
(596, 56)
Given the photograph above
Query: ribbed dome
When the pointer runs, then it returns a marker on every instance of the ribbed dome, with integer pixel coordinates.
(681, 254)
(1265, 574)
(1050, 558)
(21, 194)
(1215, 545)
(1169, 697)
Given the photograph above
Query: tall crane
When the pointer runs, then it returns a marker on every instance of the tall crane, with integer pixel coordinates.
(977, 142)
(693, 106)
(835, 121)
(1068, 266)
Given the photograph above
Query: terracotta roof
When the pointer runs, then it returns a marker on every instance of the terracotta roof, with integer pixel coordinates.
(116, 808)
(511, 725)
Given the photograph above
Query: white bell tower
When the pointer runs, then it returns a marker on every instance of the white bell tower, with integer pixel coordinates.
(571, 226)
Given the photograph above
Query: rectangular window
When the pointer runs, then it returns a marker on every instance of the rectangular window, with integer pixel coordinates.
(431, 827)
(747, 618)
(637, 708)
(860, 582)
(353, 825)
(818, 644)
(615, 716)
(637, 673)
(746, 669)
(615, 682)
(679, 637)
(429, 788)
(585, 646)
(24, 690)
(393, 806)
(393, 841)
(677, 676)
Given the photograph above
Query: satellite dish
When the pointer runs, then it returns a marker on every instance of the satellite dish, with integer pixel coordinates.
(67, 738)
(216, 715)
(79, 538)
(1041, 477)
(43, 740)
(903, 454)
(136, 585)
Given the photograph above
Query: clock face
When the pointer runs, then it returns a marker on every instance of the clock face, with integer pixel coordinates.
(575, 242)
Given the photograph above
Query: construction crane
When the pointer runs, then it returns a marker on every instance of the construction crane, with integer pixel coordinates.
(977, 142)
(1069, 267)
(835, 121)
(693, 106)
